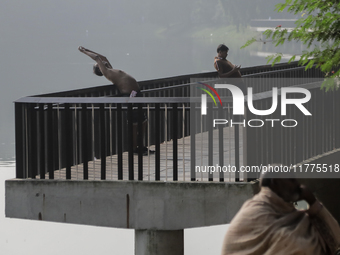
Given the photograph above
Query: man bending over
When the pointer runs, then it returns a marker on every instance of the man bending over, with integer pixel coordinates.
(126, 85)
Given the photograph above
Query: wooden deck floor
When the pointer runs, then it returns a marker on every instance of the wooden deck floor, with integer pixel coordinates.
(166, 162)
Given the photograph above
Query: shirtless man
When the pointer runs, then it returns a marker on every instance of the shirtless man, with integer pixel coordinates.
(226, 69)
(126, 84)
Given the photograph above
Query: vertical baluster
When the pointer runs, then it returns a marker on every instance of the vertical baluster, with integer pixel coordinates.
(102, 142)
(157, 142)
(175, 137)
(20, 128)
(166, 141)
(183, 140)
(140, 141)
(50, 142)
(192, 141)
(120, 141)
(85, 142)
(130, 141)
(41, 142)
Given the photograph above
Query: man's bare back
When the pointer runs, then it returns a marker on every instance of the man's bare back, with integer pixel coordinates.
(124, 82)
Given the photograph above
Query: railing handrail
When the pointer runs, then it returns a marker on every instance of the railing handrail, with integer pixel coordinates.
(105, 100)
(244, 70)
(214, 80)
(131, 100)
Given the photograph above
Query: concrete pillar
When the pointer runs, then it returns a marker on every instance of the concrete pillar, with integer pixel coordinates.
(159, 242)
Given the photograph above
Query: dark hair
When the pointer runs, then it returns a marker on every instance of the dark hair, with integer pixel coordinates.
(222, 47)
(266, 177)
(96, 70)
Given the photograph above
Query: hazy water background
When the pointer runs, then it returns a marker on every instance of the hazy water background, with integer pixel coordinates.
(148, 39)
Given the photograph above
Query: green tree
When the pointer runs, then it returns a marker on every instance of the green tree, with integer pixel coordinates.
(318, 28)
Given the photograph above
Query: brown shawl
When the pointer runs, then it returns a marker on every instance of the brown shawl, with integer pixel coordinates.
(267, 225)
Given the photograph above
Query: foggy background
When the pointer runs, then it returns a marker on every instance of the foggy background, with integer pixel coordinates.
(148, 39)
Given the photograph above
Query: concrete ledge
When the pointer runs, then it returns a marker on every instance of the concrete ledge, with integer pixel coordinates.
(127, 204)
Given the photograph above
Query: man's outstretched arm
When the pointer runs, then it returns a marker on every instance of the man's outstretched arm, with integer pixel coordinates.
(228, 74)
(86, 51)
(103, 68)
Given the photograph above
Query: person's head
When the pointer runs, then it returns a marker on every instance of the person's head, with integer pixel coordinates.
(222, 51)
(284, 184)
(96, 70)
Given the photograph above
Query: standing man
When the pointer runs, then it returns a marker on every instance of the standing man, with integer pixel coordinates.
(126, 85)
(226, 69)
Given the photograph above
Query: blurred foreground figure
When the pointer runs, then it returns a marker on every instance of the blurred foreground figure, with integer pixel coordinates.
(269, 224)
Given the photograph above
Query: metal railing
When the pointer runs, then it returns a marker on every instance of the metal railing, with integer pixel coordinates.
(70, 135)
(312, 136)
(92, 138)
(178, 86)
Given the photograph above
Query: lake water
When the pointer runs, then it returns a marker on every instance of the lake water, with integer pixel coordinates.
(39, 42)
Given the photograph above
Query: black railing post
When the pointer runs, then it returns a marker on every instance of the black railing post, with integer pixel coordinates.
(20, 151)
(131, 137)
(84, 141)
(102, 142)
(49, 143)
(175, 142)
(193, 141)
(119, 141)
(41, 142)
(157, 143)
(141, 134)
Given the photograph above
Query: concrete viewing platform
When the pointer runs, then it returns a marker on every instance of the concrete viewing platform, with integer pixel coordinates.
(63, 128)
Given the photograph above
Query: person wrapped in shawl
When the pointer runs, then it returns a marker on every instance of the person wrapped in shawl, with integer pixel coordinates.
(270, 224)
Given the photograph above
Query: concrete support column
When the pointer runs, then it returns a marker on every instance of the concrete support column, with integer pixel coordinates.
(159, 242)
